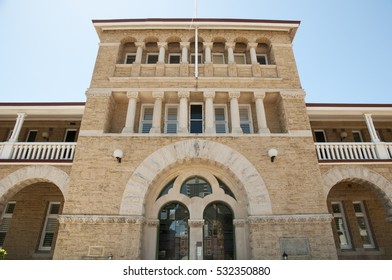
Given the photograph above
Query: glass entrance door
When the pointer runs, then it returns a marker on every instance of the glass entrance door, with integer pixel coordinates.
(218, 233)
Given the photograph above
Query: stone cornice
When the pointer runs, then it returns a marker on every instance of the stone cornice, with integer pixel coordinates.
(292, 219)
(99, 219)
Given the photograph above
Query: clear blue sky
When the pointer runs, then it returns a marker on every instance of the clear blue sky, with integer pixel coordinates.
(343, 48)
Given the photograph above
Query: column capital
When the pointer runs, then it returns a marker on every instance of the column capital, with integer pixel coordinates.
(132, 94)
(208, 44)
(140, 44)
(152, 222)
(252, 45)
(209, 94)
(230, 45)
(158, 94)
(185, 44)
(260, 94)
(234, 94)
(239, 222)
(162, 44)
(183, 94)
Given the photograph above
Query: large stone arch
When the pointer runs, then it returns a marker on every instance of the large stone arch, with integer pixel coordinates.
(132, 203)
(380, 185)
(17, 180)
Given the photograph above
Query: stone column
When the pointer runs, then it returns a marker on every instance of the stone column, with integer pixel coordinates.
(130, 120)
(150, 239)
(184, 51)
(241, 240)
(18, 126)
(139, 52)
(371, 128)
(156, 117)
(230, 52)
(252, 50)
(207, 52)
(235, 112)
(261, 119)
(209, 112)
(196, 237)
(162, 47)
(183, 120)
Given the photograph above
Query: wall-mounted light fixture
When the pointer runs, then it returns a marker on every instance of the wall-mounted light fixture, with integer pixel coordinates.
(272, 153)
(110, 256)
(343, 135)
(118, 154)
(45, 135)
(285, 256)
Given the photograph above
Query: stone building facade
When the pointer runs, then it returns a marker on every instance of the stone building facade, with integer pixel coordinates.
(195, 142)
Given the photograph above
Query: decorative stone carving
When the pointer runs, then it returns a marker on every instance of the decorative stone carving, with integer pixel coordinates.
(98, 219)
(282, 219)
(196, 223)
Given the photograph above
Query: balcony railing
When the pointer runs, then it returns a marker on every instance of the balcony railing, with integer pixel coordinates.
(37, 151)
(353, 151)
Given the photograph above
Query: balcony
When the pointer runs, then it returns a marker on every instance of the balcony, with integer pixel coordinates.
(353, 151)
(37, 151)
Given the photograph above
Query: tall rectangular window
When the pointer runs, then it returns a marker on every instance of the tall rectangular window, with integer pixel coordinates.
(220, 119)
(146, 119)
(357, 135)
(246, 119)
(171, 121)
(6, 220)
(363, 225)
(196, 118)
(341, 225)
(50, 226)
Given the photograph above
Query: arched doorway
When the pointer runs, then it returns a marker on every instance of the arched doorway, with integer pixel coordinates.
(173, 243)
(218, 233)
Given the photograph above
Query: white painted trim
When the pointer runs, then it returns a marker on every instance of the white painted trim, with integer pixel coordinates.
(174, 55)
(265, 56)
(249, 109)
(142, 112)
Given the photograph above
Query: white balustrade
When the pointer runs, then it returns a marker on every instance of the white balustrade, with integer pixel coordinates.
(43, 151)
(348, 151)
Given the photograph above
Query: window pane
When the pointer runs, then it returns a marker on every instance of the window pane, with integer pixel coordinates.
(148, 114)
(152, 58)
(196, 127)
(171, 128)
(262, 59)
(239, 59)
(218, 59)
(130, 59)
(146, 127)
(10, 208)
(320, 136)
(174, 59)
(196, 187)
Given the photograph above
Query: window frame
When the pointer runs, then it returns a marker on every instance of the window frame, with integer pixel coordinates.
(225, 121)
(150, 55)
(142, 114)
(265, 57)
(240, 55)
(324, 135)
(44, 231)
(250, 120)
(174, 55)
(193, 55)
(126, 58)
(167, 121)
(8, 216)
(202, 117)
(28, 135)
(217, 54)
(359, 133)
(346, 232)
(363, 214)
(69, 130)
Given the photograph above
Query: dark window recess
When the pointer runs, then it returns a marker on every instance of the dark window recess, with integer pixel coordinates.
(196, 119)
(320, 136)
(70, 136)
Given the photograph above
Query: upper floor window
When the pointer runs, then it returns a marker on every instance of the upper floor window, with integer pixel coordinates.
(70, 135)
(174, 58)
(171, 120)
(130, 58)
(199, 58)
(196, 118)
(240, 58)
(218, 58)
(357, 135)
(146, 119)
(363, 225)
(220, 119)
(31, 136)
(262, 59)
(320, 135)
(152, 58)
(246, 119)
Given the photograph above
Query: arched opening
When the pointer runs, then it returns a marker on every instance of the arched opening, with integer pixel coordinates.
(360, 226)
(173, 241)
(218, 232)
(29, 226)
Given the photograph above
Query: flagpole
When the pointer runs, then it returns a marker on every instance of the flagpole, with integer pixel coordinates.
(196, 46)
